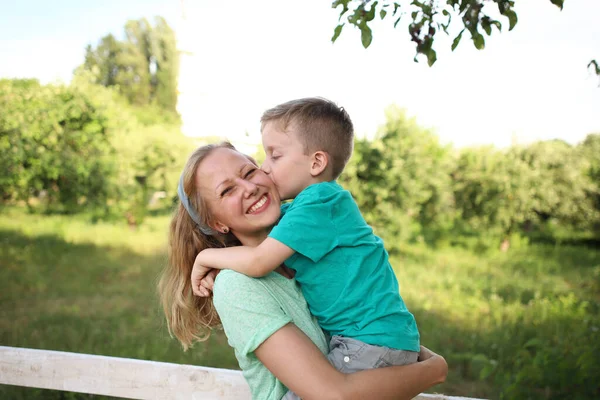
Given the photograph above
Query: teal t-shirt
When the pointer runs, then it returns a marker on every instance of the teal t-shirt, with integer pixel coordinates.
(253, 309)
(343, 269)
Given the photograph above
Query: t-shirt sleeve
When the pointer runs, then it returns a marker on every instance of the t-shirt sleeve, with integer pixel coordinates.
(284, 207)
(307, 228)
(247, 324)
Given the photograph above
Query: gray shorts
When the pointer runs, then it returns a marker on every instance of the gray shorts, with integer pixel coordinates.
(351, 355)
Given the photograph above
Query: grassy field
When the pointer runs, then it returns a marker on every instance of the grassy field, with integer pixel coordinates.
(522, 324)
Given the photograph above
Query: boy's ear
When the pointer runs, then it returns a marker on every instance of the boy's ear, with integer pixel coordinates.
(318, 163)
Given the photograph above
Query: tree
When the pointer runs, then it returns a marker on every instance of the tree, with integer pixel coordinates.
(492, 193)
(144, 66)
(69, 148)
(167, 65)
(560, 188)
(56, 140)
(590, 150)
(401, 182)
(429, 17)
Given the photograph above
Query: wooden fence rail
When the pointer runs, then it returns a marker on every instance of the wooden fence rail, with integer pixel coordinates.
(124, 377)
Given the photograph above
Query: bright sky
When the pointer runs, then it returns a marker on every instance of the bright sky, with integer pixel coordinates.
(531, 83)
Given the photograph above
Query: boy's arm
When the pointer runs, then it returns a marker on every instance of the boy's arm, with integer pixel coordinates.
(252, 261)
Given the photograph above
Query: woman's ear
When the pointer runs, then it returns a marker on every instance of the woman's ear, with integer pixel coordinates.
(318, 163)
(219, 227)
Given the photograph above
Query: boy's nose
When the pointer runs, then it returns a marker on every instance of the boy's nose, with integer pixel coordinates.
(266, 167)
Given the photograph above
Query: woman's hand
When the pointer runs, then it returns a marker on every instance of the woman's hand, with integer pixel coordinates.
(436, 360)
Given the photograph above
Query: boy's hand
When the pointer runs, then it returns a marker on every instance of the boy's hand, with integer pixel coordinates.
(203, 279)
(208, 282)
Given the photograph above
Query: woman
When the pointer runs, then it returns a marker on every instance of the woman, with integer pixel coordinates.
(227, 200)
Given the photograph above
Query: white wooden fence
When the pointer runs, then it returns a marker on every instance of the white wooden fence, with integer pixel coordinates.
(124, 377)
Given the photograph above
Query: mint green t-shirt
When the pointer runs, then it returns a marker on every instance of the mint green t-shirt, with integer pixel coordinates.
(251, 310)
(343, 269)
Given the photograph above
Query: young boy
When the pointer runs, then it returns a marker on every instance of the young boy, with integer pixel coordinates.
(342, 267)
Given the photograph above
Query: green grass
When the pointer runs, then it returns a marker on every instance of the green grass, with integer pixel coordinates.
(523, 324)
(71, 286)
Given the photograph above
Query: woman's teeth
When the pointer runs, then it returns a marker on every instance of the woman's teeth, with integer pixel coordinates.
(258, 204)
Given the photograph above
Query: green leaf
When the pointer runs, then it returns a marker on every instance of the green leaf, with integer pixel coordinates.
(596, 66)
(366, 36)
(558, 3)
(431, 56)
(382, 14)
(478, 41)
(512, 18)
(344, 4)
(456, 40)
(396, 23)
(533, 342)
(414, 15)
(497, 24)
(337, 32)
(488, 369)
(487, 26)
(371, 13)
(396, 6)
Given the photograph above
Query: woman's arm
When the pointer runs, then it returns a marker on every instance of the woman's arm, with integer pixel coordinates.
(300, 366)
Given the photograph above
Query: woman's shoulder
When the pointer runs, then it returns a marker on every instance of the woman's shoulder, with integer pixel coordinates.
(227, 276)
(233, 286)
(228, 281)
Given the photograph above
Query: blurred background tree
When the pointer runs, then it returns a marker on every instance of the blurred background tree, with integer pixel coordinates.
(106, 142)
(143, 66)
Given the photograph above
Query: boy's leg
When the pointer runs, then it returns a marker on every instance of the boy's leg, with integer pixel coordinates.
(398, 357)
(290, 396)
(351, 355)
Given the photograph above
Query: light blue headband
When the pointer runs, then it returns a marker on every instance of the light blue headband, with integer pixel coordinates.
(190, 209)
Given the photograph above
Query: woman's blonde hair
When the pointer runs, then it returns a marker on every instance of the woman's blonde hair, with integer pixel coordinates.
(190, 318)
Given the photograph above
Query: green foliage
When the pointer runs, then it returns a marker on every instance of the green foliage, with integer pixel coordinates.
(150, 161)
(400, 180)
(590, 150)
(593, 65)
(76, 147)
(144, 66)
(428, 18)
(412, 188)
(525, 322)
(492, 191)
(55, 141)
(560, 188)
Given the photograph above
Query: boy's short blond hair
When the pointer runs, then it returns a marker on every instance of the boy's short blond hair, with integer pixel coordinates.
(321, 125)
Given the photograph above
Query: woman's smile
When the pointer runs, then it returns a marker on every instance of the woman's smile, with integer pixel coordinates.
(260, 205)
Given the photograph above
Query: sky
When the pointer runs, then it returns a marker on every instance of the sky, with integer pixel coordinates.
(528, 84)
